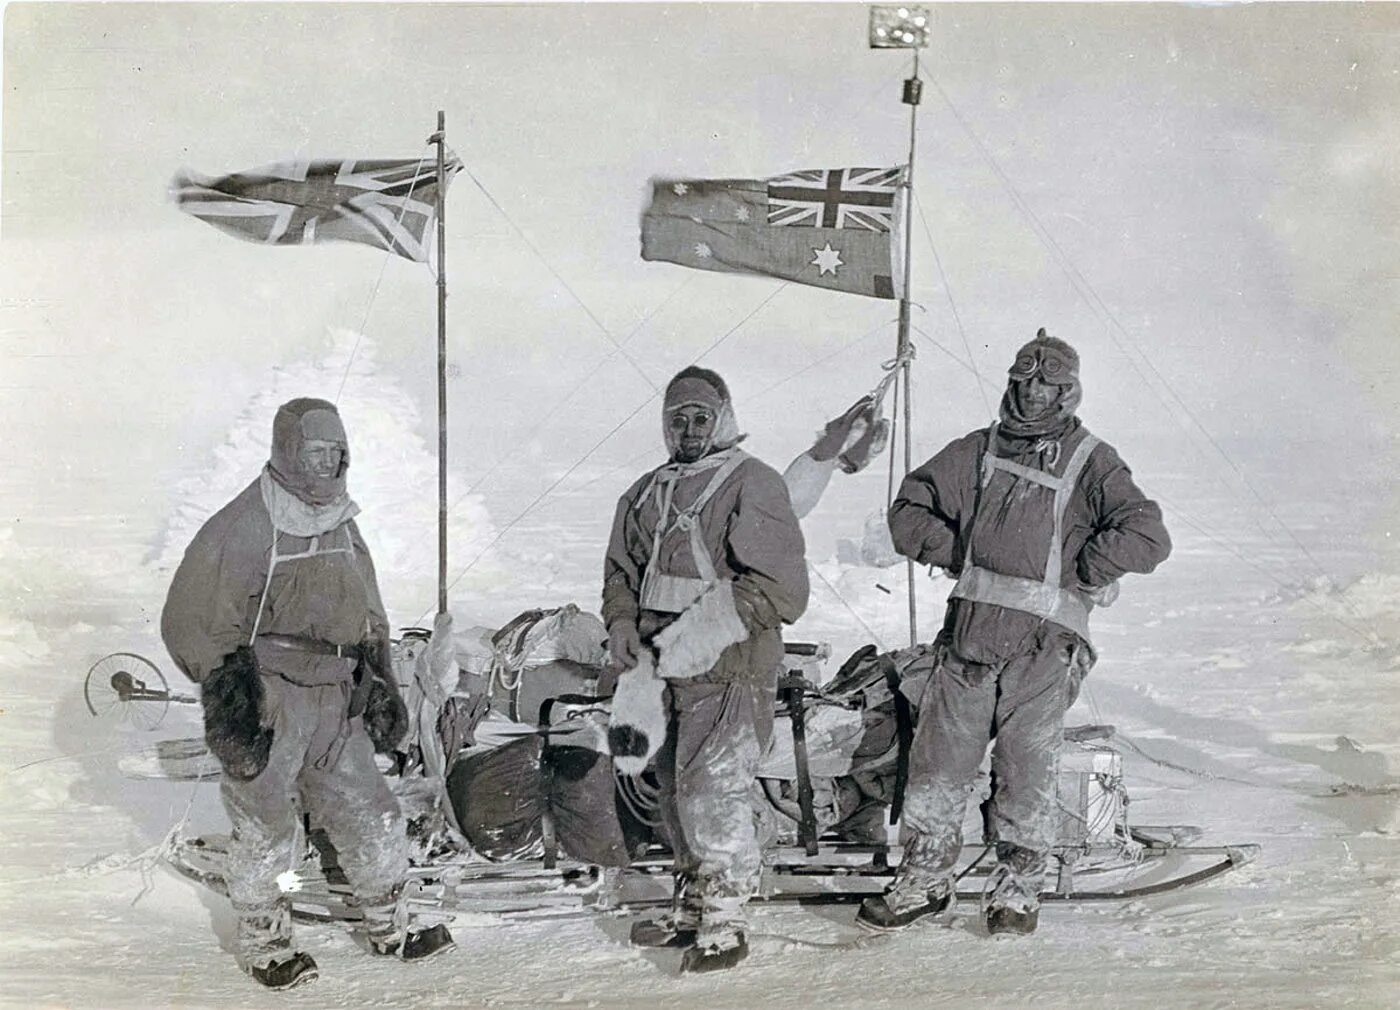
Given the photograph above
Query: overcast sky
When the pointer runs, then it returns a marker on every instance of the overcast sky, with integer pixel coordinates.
(1203, 199)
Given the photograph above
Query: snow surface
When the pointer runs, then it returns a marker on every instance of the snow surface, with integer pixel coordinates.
(1224, 177)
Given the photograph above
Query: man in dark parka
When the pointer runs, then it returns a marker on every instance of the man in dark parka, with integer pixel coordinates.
(705, 564)
(1038, 519)
(275, 612)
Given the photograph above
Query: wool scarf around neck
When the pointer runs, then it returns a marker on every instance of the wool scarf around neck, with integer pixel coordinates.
(291, 515)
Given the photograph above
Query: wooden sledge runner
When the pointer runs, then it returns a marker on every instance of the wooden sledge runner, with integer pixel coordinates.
(838, 874)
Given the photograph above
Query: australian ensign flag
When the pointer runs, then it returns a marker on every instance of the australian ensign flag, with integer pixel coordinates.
(838, 228)
(387, 204)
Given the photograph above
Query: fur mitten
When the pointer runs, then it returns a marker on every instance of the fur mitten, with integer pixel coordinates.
(691, 645)
(232, 697)
(386, 715)
(637, 725)
(377, 698)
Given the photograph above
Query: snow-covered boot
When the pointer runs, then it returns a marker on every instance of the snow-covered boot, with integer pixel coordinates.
(1011, 902)
(715, 950)
(1003, 919)
(286, 973)
(905, 902)
(666, 931)
(676, 928)
(418, 944)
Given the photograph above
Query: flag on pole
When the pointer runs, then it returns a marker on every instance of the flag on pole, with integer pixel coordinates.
(387, 204)
(837, 228)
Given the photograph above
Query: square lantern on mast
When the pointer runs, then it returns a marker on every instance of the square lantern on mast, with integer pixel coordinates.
(899, 27)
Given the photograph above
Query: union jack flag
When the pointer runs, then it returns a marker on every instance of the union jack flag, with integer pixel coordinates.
(835, 198)
(386, 204)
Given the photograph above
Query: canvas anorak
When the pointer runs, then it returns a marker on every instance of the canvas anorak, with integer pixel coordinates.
(717, 723)
(1006, 673)
(283, 563)
(753, 538)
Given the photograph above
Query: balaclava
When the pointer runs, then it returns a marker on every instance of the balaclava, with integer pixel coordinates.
(297, 422)
(1056, 363)
(700, 387)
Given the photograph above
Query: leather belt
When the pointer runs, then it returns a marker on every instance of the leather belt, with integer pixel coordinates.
(304, 643)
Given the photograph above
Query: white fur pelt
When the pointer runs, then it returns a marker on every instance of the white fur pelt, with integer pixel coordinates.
(637, 725)
(691, 644)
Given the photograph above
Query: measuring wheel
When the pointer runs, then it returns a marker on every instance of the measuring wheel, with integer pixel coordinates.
(125, 687)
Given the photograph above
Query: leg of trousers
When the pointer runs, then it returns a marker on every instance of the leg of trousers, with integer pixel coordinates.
(351, 801)
(266, 818)
(1021, 703)
(716, 737)
(1035, 690)
(321, 766)
(955, 723)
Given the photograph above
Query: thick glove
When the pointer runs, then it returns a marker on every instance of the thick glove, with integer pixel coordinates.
(637, 723)
(385, 714)
(836, 436)
(872, 441)
(624, 645)
(691, 645)
(232, 697)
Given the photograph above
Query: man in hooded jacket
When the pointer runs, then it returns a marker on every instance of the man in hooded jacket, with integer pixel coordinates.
(706, 562)
(1038, 519)
(275, 612)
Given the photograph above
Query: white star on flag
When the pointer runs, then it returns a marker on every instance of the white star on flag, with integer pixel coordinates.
(742, 213)
(827, 260)
(680, 189)
(703, 251)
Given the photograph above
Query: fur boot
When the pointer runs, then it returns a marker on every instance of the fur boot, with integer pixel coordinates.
(691, 644)
(232, 698)
(637, 726)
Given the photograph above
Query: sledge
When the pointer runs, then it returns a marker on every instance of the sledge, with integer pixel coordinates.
(530, 819)
(840, 874)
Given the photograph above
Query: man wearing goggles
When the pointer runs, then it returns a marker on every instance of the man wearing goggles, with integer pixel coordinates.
(1038, 519)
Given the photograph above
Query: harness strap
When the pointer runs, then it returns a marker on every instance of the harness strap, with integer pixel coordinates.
(687, 519)
(1044, 598)
(904, 735)
(274, 559)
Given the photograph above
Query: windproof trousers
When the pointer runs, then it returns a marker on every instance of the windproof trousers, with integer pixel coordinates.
(321, 764)
(1019, 705)
(715, 737)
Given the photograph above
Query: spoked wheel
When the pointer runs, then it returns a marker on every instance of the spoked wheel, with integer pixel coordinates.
(128, 688)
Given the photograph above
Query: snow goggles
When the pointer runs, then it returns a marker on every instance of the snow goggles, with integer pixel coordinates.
(1050, 364)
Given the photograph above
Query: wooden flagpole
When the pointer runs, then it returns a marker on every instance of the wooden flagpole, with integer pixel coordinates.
(440, 138)
(913, 89)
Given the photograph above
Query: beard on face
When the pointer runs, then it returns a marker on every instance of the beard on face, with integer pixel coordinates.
(689, 450)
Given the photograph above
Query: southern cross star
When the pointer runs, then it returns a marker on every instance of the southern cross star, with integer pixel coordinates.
(742, 213)
(827, 260)
(680, 189)
(703, 250)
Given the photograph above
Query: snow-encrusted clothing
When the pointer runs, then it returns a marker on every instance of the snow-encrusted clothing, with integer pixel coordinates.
(296, 599)
(718, 721)
(716, 736)
(1021, 704)
(1009, 672)
(1110, 527)
(321, 587)
(751, 537)
(333, 775)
